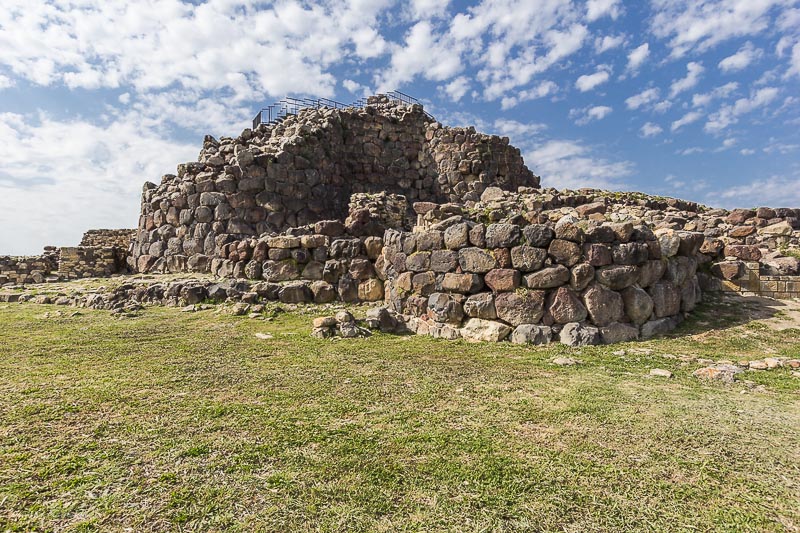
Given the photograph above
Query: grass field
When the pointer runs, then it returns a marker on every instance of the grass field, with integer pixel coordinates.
(175, 421)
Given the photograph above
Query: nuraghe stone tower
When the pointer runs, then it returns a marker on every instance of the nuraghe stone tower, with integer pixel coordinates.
(305, 169)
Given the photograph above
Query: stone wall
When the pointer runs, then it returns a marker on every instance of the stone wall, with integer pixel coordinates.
(29, 269)
(306, 168)
(747, 279)
(102, 253)
(581, 282)
(121, 238)
(89, 262)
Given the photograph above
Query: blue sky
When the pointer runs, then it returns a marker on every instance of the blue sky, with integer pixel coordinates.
(694, 99)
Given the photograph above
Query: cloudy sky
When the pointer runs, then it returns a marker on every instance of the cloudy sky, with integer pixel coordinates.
(698, 99)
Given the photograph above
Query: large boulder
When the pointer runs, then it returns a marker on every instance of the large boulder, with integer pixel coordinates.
(462, 283)
(618, 332)
(538, 235)
(476, 260)
(565, 252)
(617, 277)
(638, 305)
(604, 305)
(548, 278)
(528, 258)
(532, 334)
(480, 306)
(479, 330)
(502, 235)
(521, 307)
(666, 299)
(502, 279)
(446, 308)
(566, 306)
(577, 334)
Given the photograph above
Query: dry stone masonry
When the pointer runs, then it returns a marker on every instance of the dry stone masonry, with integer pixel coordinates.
(102, 253)
(578, 281)
(306, 169)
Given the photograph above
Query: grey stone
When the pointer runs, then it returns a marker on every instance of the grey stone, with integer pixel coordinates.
(666, 299)
(479, 330)
(604, 305)
(548, 278)
(502, 235)
(531, 334)
(476, 260)
(617, 277)
(480, 306)
(618, 332)
(538, 235)
(566, 307)
(638, 305)
(527, 258)
(577, 334)
(522, 307)
(443, 307)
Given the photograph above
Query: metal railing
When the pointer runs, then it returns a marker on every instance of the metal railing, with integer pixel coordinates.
(277, 112)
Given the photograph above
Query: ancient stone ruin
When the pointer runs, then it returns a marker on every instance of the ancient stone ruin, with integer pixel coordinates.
(445, 228)
(305, 169)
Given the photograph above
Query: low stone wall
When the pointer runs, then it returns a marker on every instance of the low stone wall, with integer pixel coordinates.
(88, 262)
(57, 264)
(28, 269)
(580, 282)
(746, 279)
(106, 238)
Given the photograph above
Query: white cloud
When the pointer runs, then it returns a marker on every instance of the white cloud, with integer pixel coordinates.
(5, 82)
(570, 164)
(588, 114)
(747, 151)
(703, 99)
(608, 42)
(699, 25)
(541, 90)
(517, 130)
(587, 82)
(524, 40)
(741, 59)
(772, 190)
(691, 151)
(81, 175)
(643, 98)
(662, 106)
(596, 9)
(729, 114)
(776, 146)
(688, 118)
(650, 130)
(457, 88)
(637, 57)
(171, 43)
(423, 54)
(356, 88)
(794, 63)
(425, 9)
(693, 72)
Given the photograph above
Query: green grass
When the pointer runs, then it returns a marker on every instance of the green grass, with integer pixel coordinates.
(188, 422)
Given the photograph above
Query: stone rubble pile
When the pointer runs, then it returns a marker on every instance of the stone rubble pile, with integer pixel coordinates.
(342, 325)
